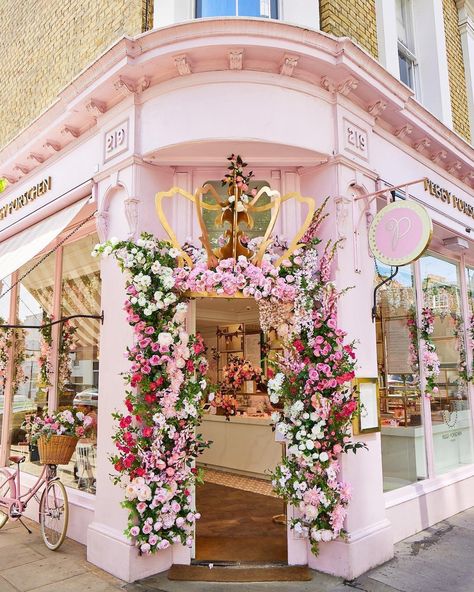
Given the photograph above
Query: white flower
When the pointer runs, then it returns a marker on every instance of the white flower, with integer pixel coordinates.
(323, 457)
(114, 241)
(174, 253)
(274, 398)
(310, 445)
(165, 339)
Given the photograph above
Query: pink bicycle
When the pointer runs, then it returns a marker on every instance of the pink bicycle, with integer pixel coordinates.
(53, 503)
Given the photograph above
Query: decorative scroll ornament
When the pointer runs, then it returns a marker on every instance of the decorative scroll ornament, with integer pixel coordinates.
(233, 214)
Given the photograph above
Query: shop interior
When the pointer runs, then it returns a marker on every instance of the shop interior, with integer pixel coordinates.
(242, 519)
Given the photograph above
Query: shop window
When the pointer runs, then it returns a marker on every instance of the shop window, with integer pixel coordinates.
(78, 372)
(403, 440)
(450, 412)
(4, 315)
(257, 8)
(406, 43)
(31, 387)
(261, 219)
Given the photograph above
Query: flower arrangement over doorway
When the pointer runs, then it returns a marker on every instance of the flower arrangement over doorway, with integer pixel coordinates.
(156, 437)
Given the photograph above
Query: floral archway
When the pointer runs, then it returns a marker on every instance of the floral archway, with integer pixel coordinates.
(156, 437)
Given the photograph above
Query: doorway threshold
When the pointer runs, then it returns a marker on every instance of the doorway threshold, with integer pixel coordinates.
(227, 571)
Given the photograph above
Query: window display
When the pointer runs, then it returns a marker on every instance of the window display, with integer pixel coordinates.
(450, 410)
(403, 440)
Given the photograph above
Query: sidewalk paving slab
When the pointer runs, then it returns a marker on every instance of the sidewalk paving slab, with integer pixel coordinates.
(439, 559)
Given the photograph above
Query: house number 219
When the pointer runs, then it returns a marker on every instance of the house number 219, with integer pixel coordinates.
(356, 139)
(115, 140)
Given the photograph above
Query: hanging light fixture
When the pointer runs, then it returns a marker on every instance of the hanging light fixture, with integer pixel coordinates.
(456, 243)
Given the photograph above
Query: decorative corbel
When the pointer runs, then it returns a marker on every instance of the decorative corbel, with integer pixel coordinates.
(328, 84)
(21, 168)
(289, 64)
(96, 108)
(454, 167)
(70, 131)
(421, 144)
(102, 225)
(346, 87)
(51, 145)
(468, 179)
(127, 86)
(236, 58)
(377, 108)
(182, 64)
(11, 180)
(131, 213)
(37, 158)
(404, 131)
(439, 156)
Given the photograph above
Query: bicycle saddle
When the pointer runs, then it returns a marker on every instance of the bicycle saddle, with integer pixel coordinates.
(17, 459)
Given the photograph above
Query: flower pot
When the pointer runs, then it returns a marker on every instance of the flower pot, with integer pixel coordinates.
(57, 450)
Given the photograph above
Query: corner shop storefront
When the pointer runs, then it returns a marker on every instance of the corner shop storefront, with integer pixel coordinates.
(122, 157)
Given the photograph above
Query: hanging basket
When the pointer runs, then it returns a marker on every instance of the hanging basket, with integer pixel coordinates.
(57, 450)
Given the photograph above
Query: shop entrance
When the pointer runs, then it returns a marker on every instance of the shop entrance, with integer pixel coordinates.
(242, 520)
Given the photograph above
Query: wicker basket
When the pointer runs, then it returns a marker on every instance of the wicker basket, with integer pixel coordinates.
(58, 450)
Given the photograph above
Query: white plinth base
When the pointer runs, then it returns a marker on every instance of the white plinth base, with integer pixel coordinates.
(362, 551)
(112, 552)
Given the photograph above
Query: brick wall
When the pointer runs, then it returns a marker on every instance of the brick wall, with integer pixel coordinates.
(351, 18)
(46, 43)
(457, 80)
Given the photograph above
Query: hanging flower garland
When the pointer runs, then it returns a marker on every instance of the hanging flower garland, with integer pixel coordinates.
(458, 332)
(66, 347)
(5, 343)
(156, 437)
(429, 357)
(46, 348)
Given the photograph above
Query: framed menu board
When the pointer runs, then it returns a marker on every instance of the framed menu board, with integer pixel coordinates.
(368, 419)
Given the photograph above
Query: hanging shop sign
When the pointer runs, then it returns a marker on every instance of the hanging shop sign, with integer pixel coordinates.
(25, 198)
(400, 233)
(447, 197)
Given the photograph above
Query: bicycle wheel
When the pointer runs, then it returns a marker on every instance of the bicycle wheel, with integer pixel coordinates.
(6, 490)
(54, 514)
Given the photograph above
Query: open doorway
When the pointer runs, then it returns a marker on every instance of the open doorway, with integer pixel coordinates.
(242, 520)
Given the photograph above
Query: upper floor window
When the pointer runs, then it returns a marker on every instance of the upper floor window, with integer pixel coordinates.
(406, 43)
(258, 8)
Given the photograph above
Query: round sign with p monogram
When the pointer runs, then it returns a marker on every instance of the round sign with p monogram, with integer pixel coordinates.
(400, 233)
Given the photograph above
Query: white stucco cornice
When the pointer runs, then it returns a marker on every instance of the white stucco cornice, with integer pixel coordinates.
(134, 69)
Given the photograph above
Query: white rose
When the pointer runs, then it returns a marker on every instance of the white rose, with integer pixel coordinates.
(323, 457)
(165, 339)
(310, 445)
(326, 536)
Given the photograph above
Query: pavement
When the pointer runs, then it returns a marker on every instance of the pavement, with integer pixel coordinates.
(439, 559)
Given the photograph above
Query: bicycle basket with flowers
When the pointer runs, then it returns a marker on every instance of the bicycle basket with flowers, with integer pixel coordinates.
(56, 435)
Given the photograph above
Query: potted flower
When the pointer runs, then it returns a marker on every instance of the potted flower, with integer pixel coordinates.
(56, 435)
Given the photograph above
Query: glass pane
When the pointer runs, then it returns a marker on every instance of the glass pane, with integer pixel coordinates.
(450, 413)
(405, 23)
(78, 373)
(4, 315)
(254, 8)
(403, 441)
(31, 386)
(406, 70)
(215, 8)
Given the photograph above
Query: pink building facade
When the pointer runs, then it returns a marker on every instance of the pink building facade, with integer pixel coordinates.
(312, 114)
